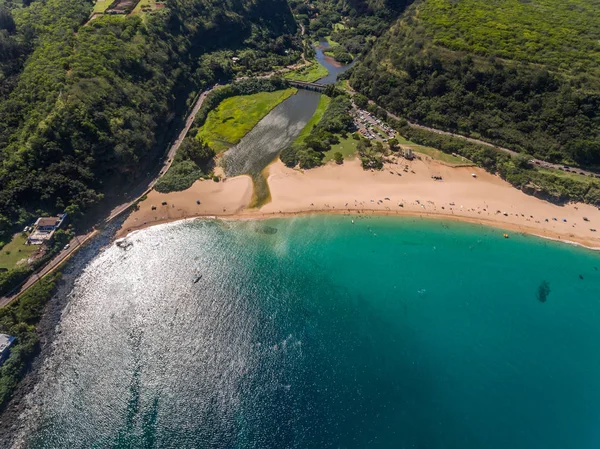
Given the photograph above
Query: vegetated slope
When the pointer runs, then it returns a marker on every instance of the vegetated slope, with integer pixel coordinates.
(523, 74)
(84, 107)
(353, 25)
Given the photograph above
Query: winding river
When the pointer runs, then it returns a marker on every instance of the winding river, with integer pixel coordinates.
(276, 131)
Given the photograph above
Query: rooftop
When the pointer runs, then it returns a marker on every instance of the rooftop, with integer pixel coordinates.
(5, 342)
(47, 221)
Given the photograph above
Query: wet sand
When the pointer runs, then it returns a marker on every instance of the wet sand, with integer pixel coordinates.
(396, 190)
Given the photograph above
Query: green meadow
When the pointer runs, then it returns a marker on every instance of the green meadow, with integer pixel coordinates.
(310, 73)
(316, 118)
(236, 116)
(433, 153)
(16, 251)
(347, 147)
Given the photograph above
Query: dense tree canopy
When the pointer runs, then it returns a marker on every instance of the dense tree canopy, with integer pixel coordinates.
(84, 105)
(534, 103)
(352, 25)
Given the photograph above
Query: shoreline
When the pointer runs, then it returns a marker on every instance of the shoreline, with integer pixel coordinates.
(15, 414)
(402, 189)
(252, 215)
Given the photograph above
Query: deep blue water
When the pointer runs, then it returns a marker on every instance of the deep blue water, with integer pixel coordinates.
(314, 332)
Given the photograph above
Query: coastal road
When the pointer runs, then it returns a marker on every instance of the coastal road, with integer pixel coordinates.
(142, 190)
(170, 156)
(538, 162)
(63, 255)
(137, 193)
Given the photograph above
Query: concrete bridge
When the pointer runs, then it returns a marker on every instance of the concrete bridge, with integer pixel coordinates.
(309, 86)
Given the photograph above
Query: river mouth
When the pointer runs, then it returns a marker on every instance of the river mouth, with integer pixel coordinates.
(264, 142)
(278, 129)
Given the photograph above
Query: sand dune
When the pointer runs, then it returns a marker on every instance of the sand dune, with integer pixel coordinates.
(348, 188)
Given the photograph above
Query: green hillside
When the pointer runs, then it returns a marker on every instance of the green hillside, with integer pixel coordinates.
(563, 36)
(86, 108)
(350, 26)
(522, 74)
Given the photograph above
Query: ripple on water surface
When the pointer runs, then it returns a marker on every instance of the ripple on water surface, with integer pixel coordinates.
(316, 332)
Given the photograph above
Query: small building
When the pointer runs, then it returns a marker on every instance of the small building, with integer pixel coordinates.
(44, 228)
(47, 223)
(6, 342)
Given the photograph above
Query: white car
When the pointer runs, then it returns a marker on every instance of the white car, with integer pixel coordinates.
(67, 246)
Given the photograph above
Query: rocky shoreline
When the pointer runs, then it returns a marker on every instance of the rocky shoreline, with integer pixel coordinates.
(13, 417)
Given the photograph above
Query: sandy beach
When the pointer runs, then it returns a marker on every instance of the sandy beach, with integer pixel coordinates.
(402, 188)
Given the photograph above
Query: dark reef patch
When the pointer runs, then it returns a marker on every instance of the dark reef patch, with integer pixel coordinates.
(543, 291)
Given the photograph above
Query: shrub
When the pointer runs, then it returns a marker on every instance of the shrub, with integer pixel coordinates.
(180, 176)
(289, 157)
(19, 320)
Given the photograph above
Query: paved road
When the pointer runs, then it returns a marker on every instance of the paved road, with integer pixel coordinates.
(141, 190)
(144, 188)
(538, 162)
(136, 193)
(64, 254)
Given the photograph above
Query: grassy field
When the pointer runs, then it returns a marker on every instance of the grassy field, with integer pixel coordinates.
(101, 5)
(346, 146)
(563, 35)
(17, 251)
(311, 73)
(345, 85)
(316, 118)
(235, 116)
(433, 153)
(332, 43)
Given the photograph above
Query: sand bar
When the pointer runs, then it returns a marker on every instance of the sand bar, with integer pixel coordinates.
(396, 190)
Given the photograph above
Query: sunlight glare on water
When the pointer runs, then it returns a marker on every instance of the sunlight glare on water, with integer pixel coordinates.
(316, 332)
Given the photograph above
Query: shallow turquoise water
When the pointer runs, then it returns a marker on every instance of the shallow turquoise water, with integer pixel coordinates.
(385, 333)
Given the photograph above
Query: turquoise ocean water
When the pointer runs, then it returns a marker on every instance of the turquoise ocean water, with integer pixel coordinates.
(314, 332)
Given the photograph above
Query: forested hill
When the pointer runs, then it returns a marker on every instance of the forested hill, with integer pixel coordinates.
(522, 74)
(83, 105)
